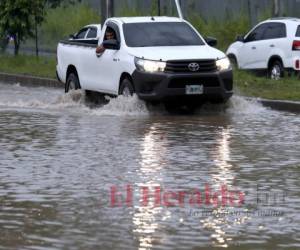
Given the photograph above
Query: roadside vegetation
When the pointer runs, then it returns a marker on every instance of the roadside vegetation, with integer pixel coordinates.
(225, 32)
(248, 84)
(28, 65)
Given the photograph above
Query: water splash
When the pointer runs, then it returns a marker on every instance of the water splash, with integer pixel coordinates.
(123, 106)
(17, 96)
(242, 105)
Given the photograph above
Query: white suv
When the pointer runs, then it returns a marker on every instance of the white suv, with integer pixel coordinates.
(272, 45)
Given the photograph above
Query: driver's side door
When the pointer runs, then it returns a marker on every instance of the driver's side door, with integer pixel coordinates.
(105, 70)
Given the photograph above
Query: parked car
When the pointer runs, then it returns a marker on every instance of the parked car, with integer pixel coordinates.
(89, 34)
(157, 58)
(272, 45)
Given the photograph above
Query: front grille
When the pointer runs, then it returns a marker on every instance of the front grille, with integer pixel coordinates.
(183, 66)
(205, 81)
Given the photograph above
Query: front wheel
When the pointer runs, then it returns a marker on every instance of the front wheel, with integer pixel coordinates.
(276, 70)
(126, 88)
(72, 83)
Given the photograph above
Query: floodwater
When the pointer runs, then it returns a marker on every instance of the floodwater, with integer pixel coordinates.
(125, 176)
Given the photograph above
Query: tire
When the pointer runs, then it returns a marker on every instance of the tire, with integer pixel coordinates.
(276, 70)
(72, 83)
(126, 88)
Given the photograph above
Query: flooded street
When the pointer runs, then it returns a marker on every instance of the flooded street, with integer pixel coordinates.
(124, 176)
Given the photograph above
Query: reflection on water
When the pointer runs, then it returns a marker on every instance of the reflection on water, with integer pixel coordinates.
(59, 160)
(151, 164)
(218, 222)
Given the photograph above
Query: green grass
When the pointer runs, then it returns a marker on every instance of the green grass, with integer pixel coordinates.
(225, 32)
(28, 65)
(248, 84)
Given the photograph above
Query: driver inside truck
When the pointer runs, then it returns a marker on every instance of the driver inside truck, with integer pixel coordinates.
(109, 35)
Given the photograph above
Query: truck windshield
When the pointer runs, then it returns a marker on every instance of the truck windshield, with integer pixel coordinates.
(160, 34)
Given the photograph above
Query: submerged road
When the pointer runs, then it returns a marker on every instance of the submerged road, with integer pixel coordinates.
(124, 176)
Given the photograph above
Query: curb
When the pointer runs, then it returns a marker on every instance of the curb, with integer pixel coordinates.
(281, 105)
(31, 81)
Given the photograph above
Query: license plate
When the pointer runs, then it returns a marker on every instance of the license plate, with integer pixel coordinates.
(194, 89)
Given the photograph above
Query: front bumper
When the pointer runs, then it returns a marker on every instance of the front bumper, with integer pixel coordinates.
(163, 86)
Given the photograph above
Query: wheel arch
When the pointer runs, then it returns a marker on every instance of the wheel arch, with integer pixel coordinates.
(273, 59)
(126, 75)
(72, 69)
(234, 57)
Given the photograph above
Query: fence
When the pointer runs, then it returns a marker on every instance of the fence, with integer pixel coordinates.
(209, 9)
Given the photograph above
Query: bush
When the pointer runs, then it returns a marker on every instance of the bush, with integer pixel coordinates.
(225, 31)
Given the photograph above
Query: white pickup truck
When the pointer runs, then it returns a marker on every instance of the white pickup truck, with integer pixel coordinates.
(158, 58)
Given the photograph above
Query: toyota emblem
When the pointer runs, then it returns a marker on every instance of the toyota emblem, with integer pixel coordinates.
(194, 67)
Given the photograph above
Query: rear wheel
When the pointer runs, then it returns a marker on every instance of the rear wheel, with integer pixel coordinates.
(126, 88)
(72, 83)
(276, 70)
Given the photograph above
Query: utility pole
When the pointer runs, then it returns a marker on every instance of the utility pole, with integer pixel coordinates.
(103, 11)
(36, 37)
(158, 7)
(107, 9)
(276, 8)
(111, 8)
(179, 9)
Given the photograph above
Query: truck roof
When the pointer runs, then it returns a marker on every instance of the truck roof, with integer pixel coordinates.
(146, 19)
(295, 19)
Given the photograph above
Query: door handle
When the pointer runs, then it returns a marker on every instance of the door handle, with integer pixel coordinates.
(272, 45)
(253, 47)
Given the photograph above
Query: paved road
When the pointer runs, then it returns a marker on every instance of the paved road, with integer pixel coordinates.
(126, 177)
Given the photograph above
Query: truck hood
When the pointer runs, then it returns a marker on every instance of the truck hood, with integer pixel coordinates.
(177, 53)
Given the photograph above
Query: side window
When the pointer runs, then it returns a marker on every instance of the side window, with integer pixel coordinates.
(92, 33)
(81, 34)
(274, 31)
(298, 31)
(256, 34)
(112, 32)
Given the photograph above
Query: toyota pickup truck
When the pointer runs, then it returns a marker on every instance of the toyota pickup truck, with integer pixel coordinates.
(156, 58)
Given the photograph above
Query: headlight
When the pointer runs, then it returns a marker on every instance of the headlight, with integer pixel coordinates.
(223, 64)
(149, 66)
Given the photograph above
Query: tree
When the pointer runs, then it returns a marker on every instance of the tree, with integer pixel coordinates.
(21, 18)
(16, 20)
(38, 12)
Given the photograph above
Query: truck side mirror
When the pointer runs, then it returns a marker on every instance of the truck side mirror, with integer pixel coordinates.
(240, 39)
(211, 41)
(111, 44)
(72, 36)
